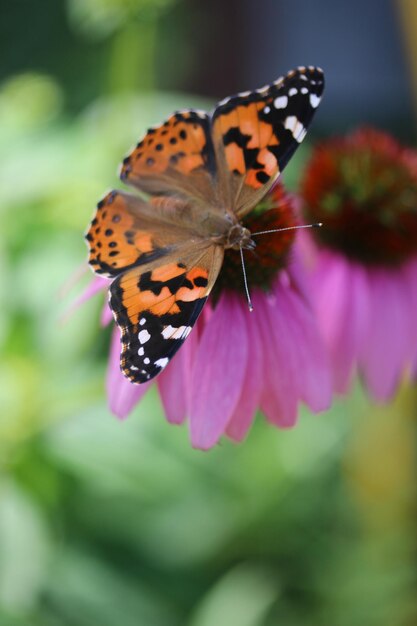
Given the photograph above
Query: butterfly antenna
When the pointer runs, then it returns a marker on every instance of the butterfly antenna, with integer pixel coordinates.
(245, 280)
(280, 230)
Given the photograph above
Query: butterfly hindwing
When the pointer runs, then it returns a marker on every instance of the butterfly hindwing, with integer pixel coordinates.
(256, 133)
(127, 231)
(156, 310)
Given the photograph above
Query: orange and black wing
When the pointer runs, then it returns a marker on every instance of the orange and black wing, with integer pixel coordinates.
(162, 277)
(175, 158)
(256, 133)
(127, 232)
(156, 310)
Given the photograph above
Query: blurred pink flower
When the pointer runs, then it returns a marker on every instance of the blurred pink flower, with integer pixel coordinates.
(364, 261)
(235, 361)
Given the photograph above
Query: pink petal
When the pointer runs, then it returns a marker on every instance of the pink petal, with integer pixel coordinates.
(353, 332)
(219, 371)
(248, 402)
(72, 280)
(122, 395)
(173, 382)
(96, 285)
(313, 369)
(280, 394)
(342, 304)
(306, 250)
(296, 268)
(106, 315)
(386, 347)
(410, 276)
(329, 291)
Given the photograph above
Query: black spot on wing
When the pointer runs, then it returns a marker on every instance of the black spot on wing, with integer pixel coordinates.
(101, 267)
(146, 283)
(234, 135)
(200, 281)
(263, 177)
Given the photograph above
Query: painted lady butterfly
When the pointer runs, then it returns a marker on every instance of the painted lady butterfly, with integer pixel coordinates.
(203, 172)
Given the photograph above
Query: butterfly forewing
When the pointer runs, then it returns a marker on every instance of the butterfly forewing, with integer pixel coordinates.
(256, 133)
(175, 158)
(127, 231)
(157, 309)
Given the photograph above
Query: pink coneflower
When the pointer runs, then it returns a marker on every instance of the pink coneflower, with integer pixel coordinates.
(364, 189)
(236, 361)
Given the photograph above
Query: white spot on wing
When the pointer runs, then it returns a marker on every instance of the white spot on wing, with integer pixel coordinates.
(170, 332)
(267, 109)
(293, 91)
(146, 361)
(301, 136)
(144, 336)
(142, 321)
(162, 362)
(281, 102)
(295, 126)
(314, 100)
(141, 351)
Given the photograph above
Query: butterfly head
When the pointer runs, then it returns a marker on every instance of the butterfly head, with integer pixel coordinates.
(228, 232)
(239, 237)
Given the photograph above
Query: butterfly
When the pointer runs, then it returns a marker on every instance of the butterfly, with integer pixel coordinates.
(201, 173)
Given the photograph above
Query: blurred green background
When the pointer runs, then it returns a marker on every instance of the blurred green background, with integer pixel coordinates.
(105, 523)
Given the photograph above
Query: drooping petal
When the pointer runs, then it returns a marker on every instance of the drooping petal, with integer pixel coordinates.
(219, 370)
(173, 382)
(386, 346)
(313, 371)
(353, 332)
(122, 395)
(342, 305)
(96, 285)
(171, 386)
(410, 276)
(106, 314)
(281, 378)
(248, 402)
(329, 288)
(301, 256)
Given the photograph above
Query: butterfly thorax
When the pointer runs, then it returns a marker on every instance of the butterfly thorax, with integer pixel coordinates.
(225, 230)
(218, 225)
